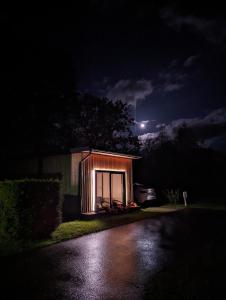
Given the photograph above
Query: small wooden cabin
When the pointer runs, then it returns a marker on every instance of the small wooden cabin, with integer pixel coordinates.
(92, 180)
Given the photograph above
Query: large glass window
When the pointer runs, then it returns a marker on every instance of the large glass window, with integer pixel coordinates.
(117, 189)
(109, 189)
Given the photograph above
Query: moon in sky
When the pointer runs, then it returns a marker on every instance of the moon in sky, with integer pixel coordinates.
(142, 125)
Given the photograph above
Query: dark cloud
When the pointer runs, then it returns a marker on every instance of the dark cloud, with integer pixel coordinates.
(218, 142)
(169, 87)
(208, 129)
(190, 60)
(176, 74)
(173, 63)
(212, 30)
(171, 81)
(211, 125)
(130, 91)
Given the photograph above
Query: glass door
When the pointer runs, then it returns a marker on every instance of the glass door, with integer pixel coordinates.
(110, 189)
(103, 199)
(117, 189)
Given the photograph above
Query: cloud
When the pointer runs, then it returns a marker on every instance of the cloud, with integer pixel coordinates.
(218, 142)
(142, 122)
(160, 126)
(207, 129)
(171, 81)
(212, 30)
(148, 136)
(130, 91)
(211, 125)
(173, 63)
(190, 60)
(186, 63)
(169, 87)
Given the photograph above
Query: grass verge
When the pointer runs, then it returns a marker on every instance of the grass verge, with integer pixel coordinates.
(209, 205)
(77, 228)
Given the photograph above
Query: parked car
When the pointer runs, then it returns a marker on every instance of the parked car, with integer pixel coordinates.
(144, 196)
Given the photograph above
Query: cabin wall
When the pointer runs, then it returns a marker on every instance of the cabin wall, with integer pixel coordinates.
(67, 165)
(22, 167)
(102, 162)
(59, 164)
(75, 172)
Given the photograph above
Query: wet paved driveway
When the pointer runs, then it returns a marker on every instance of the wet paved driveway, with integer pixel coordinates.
(112, 264)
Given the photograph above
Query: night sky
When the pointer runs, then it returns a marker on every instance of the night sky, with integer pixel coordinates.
(167, 57)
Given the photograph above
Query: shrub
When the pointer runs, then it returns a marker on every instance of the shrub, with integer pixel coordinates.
(173, 196)
(29, 208)
(9, 218)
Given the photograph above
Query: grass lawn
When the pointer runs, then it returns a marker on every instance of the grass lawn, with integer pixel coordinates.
(209, 205)
(76, 228)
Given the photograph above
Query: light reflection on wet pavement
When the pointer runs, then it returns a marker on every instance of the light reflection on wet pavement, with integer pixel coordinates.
(112, 264)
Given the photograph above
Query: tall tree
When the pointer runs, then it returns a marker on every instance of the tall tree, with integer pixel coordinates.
(95, 122)
(53, 123)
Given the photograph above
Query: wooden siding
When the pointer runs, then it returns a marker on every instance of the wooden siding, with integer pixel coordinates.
(75, 161)
(23, 167)
(60, 164)
(94, 162)
(51, 165)
(69, 166)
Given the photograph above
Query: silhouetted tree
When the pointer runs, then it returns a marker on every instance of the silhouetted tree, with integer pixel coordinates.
(105, 124)
(181, 162)
(185, 138)
(51, 123)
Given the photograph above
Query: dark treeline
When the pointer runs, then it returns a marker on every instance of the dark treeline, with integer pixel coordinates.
(55, 124)
(42, 112)
(182, 163)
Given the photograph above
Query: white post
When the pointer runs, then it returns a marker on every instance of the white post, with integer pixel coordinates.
(185, 195)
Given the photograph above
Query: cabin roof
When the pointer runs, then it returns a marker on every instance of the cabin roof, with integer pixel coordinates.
(77, 150)
(103, 152)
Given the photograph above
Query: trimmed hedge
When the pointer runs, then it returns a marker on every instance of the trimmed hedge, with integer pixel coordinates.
(29, 208)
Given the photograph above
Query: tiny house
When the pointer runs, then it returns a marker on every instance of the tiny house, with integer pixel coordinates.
(92, 180)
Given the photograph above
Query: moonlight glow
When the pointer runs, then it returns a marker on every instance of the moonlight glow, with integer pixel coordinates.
(142, 125)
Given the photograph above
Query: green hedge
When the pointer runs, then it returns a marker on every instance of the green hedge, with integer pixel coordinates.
(29, 208)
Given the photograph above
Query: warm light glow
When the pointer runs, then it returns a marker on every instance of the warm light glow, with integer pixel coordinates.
(110, 170)
(93, 204)
(112, 154)
(93, 190)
